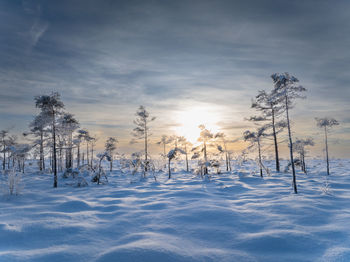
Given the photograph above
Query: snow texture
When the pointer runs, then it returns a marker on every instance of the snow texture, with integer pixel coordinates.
(230, 217)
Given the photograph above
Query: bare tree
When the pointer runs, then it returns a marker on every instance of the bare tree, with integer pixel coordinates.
(286, 87)
(3, 137)
(38, 130)
(255, 139)
(141, 131)
(51, 105)
(110, 147)
(326, 123)
(299, 146)
(184, 145)
(206, 138)
(68, 124)
(222, 137)
(172, 154)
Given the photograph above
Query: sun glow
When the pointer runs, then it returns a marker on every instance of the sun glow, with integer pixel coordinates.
(188, 121)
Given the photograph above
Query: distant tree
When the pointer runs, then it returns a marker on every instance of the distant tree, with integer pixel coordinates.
(326, 123)
(184, 145)
(3, 137)
(172, 154)
(92, 146)
(271, 107)
(110, 147)
(68, 124)
(164, 141)
(51, 105)
(222, 137)
(84, 136)
(38, 130)
(141, 131)
(299, 146)
(286, 87)
(80, 137)
(19, 153)
(255, 139)
(206, 138)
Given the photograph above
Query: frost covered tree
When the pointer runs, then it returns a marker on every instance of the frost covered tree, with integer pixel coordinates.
(19, 153)
(110, 147)
(255, 139)
(184, 144)
(299, 146)
(206, 137)
(326, 123)
(271, 108)
(39, 130)
(4, 144)
(80, 137)
(164, 141)
(68, 124)
(287, 88)
(141, 131)
(222, 138)
(84, 136)
(172, 154)
(51, 105)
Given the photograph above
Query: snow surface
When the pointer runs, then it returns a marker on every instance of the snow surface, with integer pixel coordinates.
(231, 217)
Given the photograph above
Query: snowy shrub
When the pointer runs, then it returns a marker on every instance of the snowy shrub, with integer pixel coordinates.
(70, 172)
(326, 188)
(80, 182)
(13, 182)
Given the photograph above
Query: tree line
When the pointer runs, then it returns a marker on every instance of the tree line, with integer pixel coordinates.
(55, 134)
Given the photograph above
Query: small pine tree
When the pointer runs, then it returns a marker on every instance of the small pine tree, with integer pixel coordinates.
(326, 124)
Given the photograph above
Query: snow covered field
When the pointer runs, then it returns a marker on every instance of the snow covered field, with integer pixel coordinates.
(231, 217)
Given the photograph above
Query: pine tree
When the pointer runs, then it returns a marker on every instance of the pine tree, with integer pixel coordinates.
(326, 124)
(51, 105)
(286, 87)
(141, 131)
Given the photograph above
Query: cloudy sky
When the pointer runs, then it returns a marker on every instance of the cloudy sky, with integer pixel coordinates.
(186, 61)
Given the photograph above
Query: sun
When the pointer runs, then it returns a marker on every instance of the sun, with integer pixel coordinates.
(189, 119)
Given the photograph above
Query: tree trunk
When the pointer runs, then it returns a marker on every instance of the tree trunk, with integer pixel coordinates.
(326, 141)
(111, 164)
(275, 141)
(146, 153)
(4, 156)
(169, 169)
(186, 158)
(78, 155)
(41, 167)
(92, 154)
(54, 152)
(87, 152)
(291, 149)
(205, 159)
(260, 162)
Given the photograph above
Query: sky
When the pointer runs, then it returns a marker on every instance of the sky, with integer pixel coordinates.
(187, 62)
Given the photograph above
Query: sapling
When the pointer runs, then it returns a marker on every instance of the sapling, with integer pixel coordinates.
(110, 147)
(184, 145)
(3, 137)
(172, 155)
(326, 124)
(141, 131)
(299, 146)
(255, 139)
(206, 138)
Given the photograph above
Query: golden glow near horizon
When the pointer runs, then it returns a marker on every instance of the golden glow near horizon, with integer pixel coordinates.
(189, 119)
